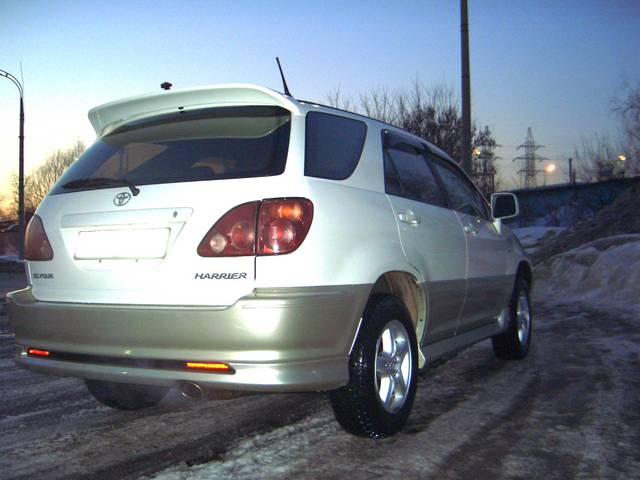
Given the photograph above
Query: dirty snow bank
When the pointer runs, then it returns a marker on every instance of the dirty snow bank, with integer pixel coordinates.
(604, 271)
(618, 218)
(532, 237)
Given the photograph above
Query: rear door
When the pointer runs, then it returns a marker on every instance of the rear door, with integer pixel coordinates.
(430, 232)
(487, 280)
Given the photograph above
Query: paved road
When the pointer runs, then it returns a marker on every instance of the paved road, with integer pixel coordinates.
(570, 410)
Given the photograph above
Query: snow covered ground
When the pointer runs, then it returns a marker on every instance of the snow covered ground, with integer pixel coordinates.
(563, 413)
(570, 410)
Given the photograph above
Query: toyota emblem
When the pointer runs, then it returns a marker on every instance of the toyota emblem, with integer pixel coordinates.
(121, 199)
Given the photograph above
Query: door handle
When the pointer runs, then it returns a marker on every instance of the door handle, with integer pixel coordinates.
(409, 217)
(470, 229)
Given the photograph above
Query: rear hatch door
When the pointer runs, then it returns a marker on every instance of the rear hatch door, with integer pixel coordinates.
(114, 245)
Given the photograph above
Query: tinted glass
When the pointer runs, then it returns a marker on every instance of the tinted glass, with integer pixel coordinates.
(209, 144)
(504, 206)
(408, 175)
(333, 145)
(463, 196)
(392, 184)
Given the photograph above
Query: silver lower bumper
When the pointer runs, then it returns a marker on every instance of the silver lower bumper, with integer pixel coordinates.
(294, 339)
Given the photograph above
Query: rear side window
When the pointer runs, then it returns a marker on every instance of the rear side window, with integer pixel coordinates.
(207, 144)
(333, 145)
(407, 175)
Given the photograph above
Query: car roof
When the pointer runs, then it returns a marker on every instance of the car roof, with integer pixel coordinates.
(109, 116)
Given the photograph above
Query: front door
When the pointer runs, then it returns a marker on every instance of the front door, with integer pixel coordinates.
(488, 284)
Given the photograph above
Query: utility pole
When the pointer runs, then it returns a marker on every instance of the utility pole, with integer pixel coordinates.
(572, 179)
(21, 219)
(466, 89)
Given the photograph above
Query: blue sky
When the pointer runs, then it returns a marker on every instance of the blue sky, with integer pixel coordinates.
(551, 65)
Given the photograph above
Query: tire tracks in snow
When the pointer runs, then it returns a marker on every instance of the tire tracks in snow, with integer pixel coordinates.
(567, 411)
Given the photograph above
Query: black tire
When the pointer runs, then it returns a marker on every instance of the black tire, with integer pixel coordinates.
(126, 396)
(511, 345)
(358, 406)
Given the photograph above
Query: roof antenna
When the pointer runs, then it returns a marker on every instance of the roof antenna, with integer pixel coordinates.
(284, 82)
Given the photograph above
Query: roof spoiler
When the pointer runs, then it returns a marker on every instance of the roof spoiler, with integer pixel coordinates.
(106, 117)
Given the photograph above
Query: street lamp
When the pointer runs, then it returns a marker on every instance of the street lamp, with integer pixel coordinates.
(548, 168)
(8, 76)
(622, 158)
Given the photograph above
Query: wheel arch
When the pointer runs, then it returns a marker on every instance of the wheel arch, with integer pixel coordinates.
(404, 286)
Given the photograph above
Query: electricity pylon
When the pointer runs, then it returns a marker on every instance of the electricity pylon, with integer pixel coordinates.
(528, 173)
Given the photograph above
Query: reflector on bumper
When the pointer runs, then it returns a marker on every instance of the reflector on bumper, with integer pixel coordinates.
(210, 367)
(37, 352)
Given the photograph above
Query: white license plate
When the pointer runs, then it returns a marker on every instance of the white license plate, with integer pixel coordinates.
(134, 243)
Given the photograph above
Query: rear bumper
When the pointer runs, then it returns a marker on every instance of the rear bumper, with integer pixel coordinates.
(286, 339)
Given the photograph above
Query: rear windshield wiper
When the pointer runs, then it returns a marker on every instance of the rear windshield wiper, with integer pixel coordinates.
(102, 182)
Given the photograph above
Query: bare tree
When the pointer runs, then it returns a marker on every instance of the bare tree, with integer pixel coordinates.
(597, 159)
(28, 204)
(484, 171)
(4, 211)
(627, 105)
(337, 100)
(381, 105)
(38, 183)
(431, 113)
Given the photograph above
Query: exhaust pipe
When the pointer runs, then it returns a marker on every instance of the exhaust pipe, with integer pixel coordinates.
(191, 390)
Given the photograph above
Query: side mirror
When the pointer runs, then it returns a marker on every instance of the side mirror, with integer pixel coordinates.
(504, 205)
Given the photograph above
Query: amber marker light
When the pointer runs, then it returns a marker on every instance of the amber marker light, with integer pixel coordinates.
(209, 366)
(289, 210)
(38, 353)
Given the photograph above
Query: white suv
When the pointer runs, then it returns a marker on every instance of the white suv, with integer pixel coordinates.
(231, 237)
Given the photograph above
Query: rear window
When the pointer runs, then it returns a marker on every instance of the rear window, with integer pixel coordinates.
(209, 144)
(333, 145)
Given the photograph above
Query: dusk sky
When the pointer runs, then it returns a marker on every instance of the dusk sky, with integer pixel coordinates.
(551, 65)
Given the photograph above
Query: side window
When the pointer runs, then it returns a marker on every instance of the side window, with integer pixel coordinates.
(407, 174)
(333, 145)
(463, 196)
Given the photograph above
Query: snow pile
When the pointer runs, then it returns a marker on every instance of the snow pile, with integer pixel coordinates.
(604, 271)
(532, 237)
(569, 214)
(618, 218)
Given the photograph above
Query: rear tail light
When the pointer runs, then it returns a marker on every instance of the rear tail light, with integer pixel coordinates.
(283, 225)
(270, 227)
(36, 244)
(233, 235)
(36, 352)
